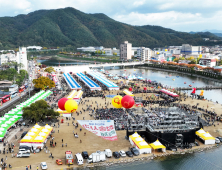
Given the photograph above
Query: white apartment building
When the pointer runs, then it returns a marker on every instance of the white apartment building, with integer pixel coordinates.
(189, 49)
(22, 58)
(5, 58)
(125, 51)
(144, 53)
(19, 57)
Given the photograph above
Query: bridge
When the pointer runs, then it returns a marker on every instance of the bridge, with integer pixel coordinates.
(86, 67)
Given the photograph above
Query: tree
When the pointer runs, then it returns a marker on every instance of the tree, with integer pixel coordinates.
(43, 83)
(115, 54)
(104, 52)
(49, 69)
(38, 111)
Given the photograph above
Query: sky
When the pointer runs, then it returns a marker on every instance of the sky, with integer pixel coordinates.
(180, 15)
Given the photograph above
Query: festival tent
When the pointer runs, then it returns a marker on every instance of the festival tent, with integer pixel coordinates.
(72, 94)
(200, 132)
(158, 145)
(208, 139)
(127, 92)
(140, 144)
(169, 93)
(37, 136)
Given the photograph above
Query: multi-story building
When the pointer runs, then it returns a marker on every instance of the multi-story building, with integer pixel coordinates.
(19, 57)
(144, 53)
(22, 58)
(189, 49)
(125, 51)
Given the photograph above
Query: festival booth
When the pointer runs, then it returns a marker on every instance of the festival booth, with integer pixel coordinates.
(157, 145)
(63, 113)
(78, 96)
(37, 136)
(169, 93)
(127, 92)
(205, 137)
(140, 144)
(72, 94)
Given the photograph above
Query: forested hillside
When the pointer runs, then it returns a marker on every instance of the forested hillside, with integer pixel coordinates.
(68, 26)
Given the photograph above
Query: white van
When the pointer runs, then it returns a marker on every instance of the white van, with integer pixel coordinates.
(79, 159)
(108, 153)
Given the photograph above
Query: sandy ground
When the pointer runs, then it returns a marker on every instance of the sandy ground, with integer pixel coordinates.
(90, 142)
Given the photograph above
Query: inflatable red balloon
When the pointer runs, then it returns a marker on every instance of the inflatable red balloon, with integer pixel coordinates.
(61, 103)
(127, 102)
(130, 89)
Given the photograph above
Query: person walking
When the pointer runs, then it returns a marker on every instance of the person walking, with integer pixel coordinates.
(37, 167)
(55, 143)
(62, 140)
(30, 166)
(26, 168)
(58, 131)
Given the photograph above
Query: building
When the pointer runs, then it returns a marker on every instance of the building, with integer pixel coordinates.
(125, 51)
(144, 53)
(34, 48)
(19, 57)
(5, 58)
(22, 58)
(207, 62)
(86, 49)
(189, 49)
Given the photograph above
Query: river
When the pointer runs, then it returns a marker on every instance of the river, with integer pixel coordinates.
(160, 76)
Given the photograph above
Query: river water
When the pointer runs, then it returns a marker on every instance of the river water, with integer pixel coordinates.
(160, 76)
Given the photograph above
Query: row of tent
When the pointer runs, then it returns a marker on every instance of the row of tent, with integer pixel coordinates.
(206, 137)
(15, 114)
(37, 136)
(142, 146)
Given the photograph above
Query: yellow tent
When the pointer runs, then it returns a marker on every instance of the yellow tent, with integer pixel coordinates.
(207, 136)
(200, 132)
(72, 94)
(139, 143)
(39, 139)
(157, 145)
(26, 139)
(127, 92)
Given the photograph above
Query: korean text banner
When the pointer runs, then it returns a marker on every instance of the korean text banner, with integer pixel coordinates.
(102, 128)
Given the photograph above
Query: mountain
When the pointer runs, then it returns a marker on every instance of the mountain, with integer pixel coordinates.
(208, 34)
(68, 26)
(212, 31)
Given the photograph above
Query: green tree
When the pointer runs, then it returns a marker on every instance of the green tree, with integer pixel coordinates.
(43, 83)
(38, 111)
(49, 69)
(104, 52)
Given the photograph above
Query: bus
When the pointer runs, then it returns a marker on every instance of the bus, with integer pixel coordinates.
(21, 89)
(13, 94)
(5, 98)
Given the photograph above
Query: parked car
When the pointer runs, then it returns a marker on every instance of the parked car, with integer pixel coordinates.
(43, 165)
(116, 154)
(129, 153)
(23, 134)
(108, 153)
(134, 151)
(25, 147)
(220, 138)
(85, 155)
(122, 153)
(59, 161)
(217, 141)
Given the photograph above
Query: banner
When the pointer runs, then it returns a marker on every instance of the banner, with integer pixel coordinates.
(103, 128)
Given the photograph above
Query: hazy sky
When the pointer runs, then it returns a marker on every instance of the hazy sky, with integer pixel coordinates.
(181, 15)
